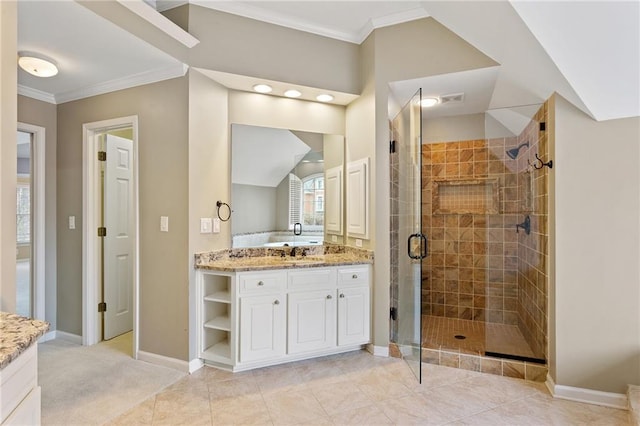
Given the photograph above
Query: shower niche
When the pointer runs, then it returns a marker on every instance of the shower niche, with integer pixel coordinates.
(464, 196)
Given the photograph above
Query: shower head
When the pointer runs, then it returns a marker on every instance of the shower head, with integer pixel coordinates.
(513, 152)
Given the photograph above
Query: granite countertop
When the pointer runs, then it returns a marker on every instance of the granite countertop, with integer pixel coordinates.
(17, 334)
(240, 260)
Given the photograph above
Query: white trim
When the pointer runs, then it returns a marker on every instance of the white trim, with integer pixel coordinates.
(378, 350)
(284, 20)
(195, 365)
(165, 361)
(50, 335)
(30, 92)
(68, 337)
(90, 213)
(139, 79)
(38, 186)
(160, 21)
(589, 396)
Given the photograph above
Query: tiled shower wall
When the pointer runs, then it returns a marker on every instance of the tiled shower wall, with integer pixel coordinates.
(479, 267)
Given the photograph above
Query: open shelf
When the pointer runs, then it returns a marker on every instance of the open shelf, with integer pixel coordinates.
(220, 296)
(220, 352)
(219, 323)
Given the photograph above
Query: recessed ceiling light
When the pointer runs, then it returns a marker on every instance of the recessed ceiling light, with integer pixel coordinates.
(429, 102)
(37, 65)
(324, 98)
(262, 88)
(292, 93)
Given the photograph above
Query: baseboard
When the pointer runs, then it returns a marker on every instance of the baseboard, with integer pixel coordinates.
(378, 350)
(50, 335)
(195, 365)
(165, 361)
(589, 396)
(68, 337)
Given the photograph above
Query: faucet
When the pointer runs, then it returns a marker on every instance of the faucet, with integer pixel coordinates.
(293, 251)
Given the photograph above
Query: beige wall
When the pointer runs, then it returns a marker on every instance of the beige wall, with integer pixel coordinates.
(162, 110)
(244, 46)
(43, 114)
(596, 298)
(8, 166)
(209, 174)
(451, 129)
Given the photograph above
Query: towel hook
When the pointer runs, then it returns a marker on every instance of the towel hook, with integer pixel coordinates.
(540, 164)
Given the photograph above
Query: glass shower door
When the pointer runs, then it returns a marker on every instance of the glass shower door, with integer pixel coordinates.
(407, 133)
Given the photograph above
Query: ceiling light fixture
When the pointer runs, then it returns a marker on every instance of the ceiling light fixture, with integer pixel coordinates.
(37, 65)
(292, 93)
(429, 102)
(262, 88)
(324, 98)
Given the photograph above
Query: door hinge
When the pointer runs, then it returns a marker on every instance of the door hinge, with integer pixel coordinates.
(102, 307)
(102, 155)
(102, 231)
(394, 313)
(392, 147)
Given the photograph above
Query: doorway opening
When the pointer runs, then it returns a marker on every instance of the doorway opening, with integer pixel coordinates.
(30, 220)
(110, 231)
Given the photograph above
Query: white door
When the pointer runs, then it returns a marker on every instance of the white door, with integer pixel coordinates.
(120, 239)
(353, 315)
(262, 327)
(312, 320)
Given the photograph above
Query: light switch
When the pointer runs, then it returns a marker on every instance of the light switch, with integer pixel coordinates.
(205, 225)
(164, 223)
(216, 225)
(72, 222)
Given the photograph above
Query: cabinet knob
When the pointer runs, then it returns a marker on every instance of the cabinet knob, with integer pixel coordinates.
(329, 296)
(276, 302)
(260, 283)
(341, 296)
(354, 276)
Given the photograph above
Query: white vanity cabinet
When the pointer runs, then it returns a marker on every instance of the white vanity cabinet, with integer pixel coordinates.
(311, 310)
(258, 318)
(263, 315)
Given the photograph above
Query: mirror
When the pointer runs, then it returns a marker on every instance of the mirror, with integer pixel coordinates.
(280, 177)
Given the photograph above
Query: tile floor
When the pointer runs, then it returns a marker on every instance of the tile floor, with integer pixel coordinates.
(360, 389)
(440, 332)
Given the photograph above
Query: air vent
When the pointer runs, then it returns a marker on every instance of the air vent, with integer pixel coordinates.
(452, 98)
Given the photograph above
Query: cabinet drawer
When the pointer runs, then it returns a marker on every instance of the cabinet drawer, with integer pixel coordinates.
(312, 279)
(262, 282)
(353, 276)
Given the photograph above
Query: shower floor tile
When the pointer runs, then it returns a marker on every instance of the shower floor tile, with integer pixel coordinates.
(479, 337)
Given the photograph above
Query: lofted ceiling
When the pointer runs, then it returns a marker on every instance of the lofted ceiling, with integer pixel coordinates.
(589, 52)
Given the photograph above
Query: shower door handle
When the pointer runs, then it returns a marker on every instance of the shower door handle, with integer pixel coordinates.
(423, 246)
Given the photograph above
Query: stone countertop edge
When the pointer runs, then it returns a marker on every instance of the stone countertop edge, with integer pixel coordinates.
(17, 334)
(257, 260)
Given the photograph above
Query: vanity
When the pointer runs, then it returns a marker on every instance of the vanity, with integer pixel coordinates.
(261, 307)
(19, 390)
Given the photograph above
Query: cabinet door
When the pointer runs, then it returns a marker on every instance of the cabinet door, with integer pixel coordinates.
(312, 320)
(353, 315)
(262, 327)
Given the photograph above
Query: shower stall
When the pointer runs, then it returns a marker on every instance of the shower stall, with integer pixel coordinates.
(483, 291)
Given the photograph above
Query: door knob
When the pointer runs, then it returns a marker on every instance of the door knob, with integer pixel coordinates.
(329, 296)
(341, 296)
(276, 302)
(260, 283)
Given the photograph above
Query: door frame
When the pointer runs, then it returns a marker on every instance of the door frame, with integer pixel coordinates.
(38, 198)
(91, 209)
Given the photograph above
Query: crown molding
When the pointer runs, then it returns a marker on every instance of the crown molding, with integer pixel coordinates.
(260, 14)
(36, 94)
(140, 79)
